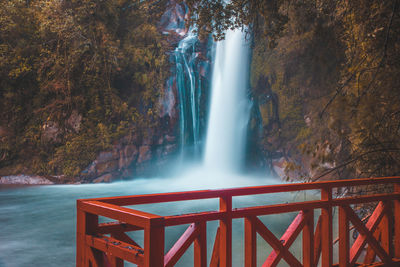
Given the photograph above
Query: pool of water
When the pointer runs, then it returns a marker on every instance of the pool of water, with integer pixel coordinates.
(37, 223)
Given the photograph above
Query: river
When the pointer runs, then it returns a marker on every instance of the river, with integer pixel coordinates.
(38, 222)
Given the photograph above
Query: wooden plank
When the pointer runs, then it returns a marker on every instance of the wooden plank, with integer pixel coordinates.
(183, 243)
(116, 226)
(215, 253)
(200, 246)
(298, 206)
(364, 231)
(287, 239)
(225, 225)
(344, 239)
(269, 237)
(250, 243)
(317, 241)
(131, 216)
(278, 208)
(308, 239)
(160, 198)
(326, 228)
(124, 237)
(193, 217)
(202, 194)
(117, 248)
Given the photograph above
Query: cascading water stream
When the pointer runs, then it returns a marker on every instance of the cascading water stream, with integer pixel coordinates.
(188, 85)
(229, 111)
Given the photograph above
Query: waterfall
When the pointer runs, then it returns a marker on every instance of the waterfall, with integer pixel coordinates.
(229, 110)
(189, 89)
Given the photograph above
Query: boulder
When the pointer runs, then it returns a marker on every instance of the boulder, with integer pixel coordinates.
(74, 121)
(51, 131)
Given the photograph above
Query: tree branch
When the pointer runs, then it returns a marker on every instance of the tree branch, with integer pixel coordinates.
(353, 160)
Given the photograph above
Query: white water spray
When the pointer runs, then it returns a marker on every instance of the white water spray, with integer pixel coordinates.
(229, 110)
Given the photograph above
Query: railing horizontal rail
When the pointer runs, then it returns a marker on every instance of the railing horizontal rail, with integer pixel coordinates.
(128, 215)
(242, 191)
(110, 227)
(194, 217)
(273, 209)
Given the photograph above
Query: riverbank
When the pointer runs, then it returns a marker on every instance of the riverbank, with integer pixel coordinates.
(24, 179)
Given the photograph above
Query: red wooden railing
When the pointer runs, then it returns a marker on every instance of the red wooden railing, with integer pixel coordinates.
(107, 244)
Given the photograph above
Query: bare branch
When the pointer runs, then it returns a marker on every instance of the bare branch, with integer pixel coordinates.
(353, 160)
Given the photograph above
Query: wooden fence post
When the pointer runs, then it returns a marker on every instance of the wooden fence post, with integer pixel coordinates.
(80, 238)
(154, 236)
(86, 224)
(308, 239)
(344, 240)
(386, 227)
(396, 216)
(250, 243)
(225, 256)
(326, 227)
(200, 246)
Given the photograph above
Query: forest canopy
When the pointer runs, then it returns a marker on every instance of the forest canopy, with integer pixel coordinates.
(74, 77)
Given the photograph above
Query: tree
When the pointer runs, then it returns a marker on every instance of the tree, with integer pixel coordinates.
(334, 64)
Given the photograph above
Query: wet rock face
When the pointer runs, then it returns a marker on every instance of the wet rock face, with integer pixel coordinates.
(144, 154)
(131, 157)
(106, 163)
(127, 156)
(173, 20)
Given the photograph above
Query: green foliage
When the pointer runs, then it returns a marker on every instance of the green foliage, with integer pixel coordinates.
(104, 60)
(216, 16)
(334, 68)
(76, 154)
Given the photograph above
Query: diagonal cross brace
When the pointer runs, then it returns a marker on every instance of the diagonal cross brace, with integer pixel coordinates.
(287, 239)
(183, 243)
(366, 233)
(268, 236)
